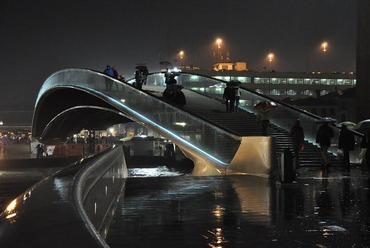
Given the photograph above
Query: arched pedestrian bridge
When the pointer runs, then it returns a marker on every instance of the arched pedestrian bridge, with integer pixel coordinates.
(217, 142)
(74, 99)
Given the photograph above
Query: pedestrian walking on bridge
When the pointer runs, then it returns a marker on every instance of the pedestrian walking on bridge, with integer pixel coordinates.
(297, 136)
(323, 138)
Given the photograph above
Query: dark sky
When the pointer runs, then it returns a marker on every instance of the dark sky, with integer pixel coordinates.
(40, 37)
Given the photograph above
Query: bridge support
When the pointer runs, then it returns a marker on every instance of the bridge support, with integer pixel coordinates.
(255, 156)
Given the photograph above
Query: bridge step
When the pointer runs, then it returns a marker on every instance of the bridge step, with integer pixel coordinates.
(244, 124)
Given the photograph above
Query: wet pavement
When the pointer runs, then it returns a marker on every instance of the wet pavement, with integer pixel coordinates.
(165, 208)
(320, 210)
(19, 170)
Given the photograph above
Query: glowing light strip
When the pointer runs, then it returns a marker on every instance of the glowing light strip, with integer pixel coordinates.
(169, 132)
(152, 123)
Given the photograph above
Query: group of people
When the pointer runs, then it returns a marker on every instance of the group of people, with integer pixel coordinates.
(141, 73)
(231, 96)
(346, 144)
(112, 72)
(173, 92)
(324, 136)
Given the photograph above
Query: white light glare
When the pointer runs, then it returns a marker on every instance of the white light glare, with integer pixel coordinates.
(183, 124)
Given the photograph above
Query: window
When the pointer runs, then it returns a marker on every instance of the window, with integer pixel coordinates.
(291, 81)
(244, 79)
(291, 92)
(307, 81)
(307, 93)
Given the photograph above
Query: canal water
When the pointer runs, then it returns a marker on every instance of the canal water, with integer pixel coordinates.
(165, 208)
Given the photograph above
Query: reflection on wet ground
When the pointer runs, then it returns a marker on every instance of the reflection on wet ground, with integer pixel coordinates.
(243, 211)
(161, 171)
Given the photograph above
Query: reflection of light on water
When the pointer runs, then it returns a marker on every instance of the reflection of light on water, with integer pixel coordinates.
(217, 239)
(161, 171)
(218, 211)
(330, 230)
(255, 196)
(11, 209)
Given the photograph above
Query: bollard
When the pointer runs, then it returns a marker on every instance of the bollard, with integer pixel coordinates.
(287, 171)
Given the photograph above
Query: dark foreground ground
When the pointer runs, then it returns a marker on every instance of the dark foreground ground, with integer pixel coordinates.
(330, 210)
(165, 207)
(19, 170)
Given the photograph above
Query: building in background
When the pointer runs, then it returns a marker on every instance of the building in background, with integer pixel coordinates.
(281, 85)
(340, 105)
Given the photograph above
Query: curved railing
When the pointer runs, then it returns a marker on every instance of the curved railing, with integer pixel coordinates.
(72, 208)
(184, 129)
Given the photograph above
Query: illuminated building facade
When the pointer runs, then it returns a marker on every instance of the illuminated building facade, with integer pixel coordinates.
(295, 85)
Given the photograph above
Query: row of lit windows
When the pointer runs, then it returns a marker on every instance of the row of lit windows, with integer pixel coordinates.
(299, 81)
(283, 92)
(276, 92)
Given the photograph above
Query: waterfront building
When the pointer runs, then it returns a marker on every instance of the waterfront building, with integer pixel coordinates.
(340, 105)
(281, 85)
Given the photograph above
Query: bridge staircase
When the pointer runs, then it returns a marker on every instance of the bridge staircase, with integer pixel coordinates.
(244, 123)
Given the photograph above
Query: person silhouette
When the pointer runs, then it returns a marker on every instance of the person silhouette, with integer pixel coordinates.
(297, 136)
(346, 142)
(323, 137)
(108, 82)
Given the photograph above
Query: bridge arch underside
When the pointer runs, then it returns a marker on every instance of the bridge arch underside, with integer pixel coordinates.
(64, 111)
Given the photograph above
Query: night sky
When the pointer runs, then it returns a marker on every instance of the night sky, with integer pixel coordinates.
(40, 37)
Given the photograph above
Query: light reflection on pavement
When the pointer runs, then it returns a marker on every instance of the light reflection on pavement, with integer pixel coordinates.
(242, 211)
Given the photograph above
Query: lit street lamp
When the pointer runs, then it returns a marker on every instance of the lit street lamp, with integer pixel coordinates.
(270, 58)
(181, 56)
(324, 47)
(219, 55)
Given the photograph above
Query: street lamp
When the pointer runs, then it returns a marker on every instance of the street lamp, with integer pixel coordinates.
(219, 42)
(270, 58)
(181, 56)
(324, 46)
